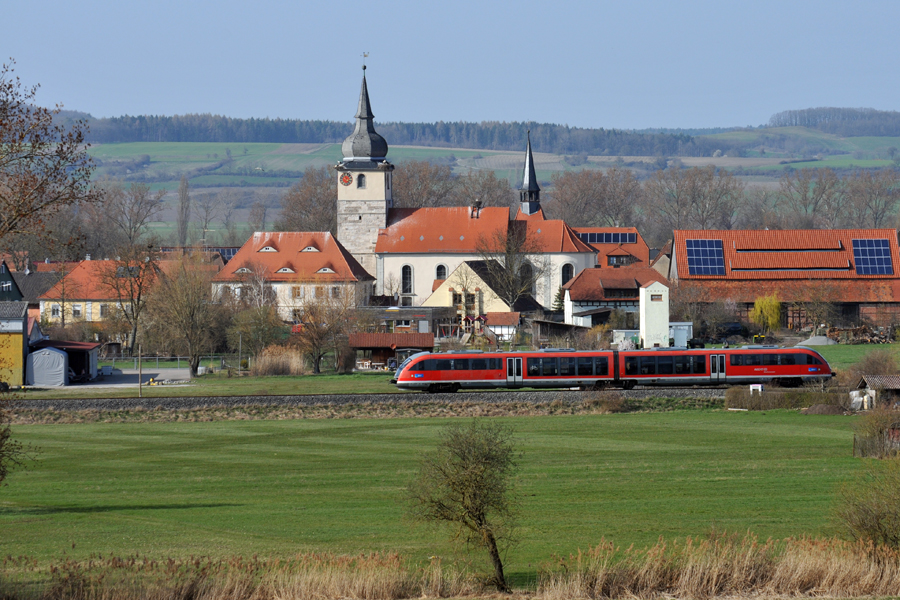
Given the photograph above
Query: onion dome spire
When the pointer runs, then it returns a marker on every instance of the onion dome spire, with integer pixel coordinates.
(364, 143)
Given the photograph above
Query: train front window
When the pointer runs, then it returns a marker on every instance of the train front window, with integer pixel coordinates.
(813, 360)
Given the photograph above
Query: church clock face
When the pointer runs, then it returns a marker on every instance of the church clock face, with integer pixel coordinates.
(346, 178)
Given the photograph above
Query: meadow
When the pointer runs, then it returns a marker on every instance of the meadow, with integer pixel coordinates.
(276, 488)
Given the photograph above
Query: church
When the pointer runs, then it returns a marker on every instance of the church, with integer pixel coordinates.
(410, 251)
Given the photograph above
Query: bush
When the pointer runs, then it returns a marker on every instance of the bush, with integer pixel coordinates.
(871, 433)
(605, 401)
(869, 507)
(279, 360)
(740, 397)
(876, 362)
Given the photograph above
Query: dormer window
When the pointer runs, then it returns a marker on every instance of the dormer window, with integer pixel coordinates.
(243, 270)
(310, 249)
(325, 270)
(268, 249)
(285, 270)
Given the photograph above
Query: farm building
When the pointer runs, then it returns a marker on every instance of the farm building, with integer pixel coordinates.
(840, 276)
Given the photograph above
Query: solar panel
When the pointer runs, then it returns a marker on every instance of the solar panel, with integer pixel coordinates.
(609, 238)
(873, 257)
(705, 257)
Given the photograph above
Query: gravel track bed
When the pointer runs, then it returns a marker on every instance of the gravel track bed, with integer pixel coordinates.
(193, 402)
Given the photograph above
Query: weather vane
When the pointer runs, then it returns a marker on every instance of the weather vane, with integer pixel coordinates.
(365, 55)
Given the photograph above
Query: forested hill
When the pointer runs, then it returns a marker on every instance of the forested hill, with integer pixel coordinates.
(845, 122)
(558, 139)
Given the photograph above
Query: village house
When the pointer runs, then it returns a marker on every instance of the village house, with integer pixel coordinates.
(846, 274)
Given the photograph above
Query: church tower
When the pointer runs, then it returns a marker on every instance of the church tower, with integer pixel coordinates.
(364, 186)
(530, 192)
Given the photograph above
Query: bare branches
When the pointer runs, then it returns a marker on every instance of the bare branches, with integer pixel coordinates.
(419, 183)
(131, 209)
(311, 203)
(513, 262)
(43, 167)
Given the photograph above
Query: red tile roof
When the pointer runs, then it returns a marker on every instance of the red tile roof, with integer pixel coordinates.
(85, 281)
(554, 236)
(536, 216)
(590, 284)
(392, 340)
(429, 230)
(786, 254)
(294, 256)
(502, 319)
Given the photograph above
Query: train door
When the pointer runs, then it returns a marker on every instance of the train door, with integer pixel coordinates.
(514, 370)
(717, 367)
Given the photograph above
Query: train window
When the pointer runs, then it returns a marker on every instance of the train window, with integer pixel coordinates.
(648, 365)
(550, 367)
(813, 360)
(737, 360)
(567, 365)
(665, 365)
(460, 364)
(585, 365)
(700, 364)
(442, 364)
(682, 365)
(601, 365)
(495, 364)
(534, 367)
(789, 359)
(770, 359)
(631, 365)
(752, 359)
(479, 364)
(509, 367)
(422, 365)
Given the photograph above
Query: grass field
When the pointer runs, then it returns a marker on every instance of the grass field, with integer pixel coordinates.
(279, 487)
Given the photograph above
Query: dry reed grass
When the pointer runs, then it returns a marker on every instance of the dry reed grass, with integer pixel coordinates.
(713, 567)
(279, 360)
(380, 576)
(726, 567)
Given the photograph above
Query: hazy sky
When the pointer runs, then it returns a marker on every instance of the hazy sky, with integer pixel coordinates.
(628, 64)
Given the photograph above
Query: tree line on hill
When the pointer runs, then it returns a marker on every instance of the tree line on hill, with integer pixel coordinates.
(846, 122)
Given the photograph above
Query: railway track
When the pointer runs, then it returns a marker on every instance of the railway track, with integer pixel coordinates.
(495, 397)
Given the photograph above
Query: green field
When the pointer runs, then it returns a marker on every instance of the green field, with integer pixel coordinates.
(279, 487)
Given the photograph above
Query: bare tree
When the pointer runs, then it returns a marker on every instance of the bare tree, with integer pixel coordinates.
(43, 167)
(513, 261)
(131, 209)
(419, 183)
(812, 198)
(873, 197)
(311, 203)
(228, 202)
(182, 313)
(324, 318)
(207, 210)
(483, 186)
(256, 286)
(466, 483)
(184, 211)
(129, 279)
(258, 213)
(255, 328)
(698, 198)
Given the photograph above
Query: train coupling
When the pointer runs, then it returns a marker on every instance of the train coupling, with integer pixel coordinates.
(393, 381)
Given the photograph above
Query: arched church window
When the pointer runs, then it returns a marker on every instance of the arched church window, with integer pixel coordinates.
(440, 272)
(360, 181)
(526, 277)
(568, 272)
(406, 280)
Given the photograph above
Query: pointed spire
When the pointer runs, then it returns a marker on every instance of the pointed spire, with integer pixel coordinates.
(530, 192)
(364, 143)
(529, 182)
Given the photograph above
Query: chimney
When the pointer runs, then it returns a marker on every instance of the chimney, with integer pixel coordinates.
(87, 257)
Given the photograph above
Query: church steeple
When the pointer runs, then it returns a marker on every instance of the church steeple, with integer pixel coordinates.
(364, 144)
(530, 192)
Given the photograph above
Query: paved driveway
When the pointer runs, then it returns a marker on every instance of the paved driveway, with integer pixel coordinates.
(129, 377)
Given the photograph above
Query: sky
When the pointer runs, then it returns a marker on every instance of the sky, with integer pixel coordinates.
(632, 65)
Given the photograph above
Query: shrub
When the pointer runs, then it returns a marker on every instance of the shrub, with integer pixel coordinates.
(740, 397)
(869, 507)
(871, 433)
(605, 401)
(876, 362)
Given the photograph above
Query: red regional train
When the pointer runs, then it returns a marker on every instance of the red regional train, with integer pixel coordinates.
(595, 369)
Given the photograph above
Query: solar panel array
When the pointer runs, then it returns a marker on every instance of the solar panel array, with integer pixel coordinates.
(608, 238)
(705, 257)
(873, 257)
